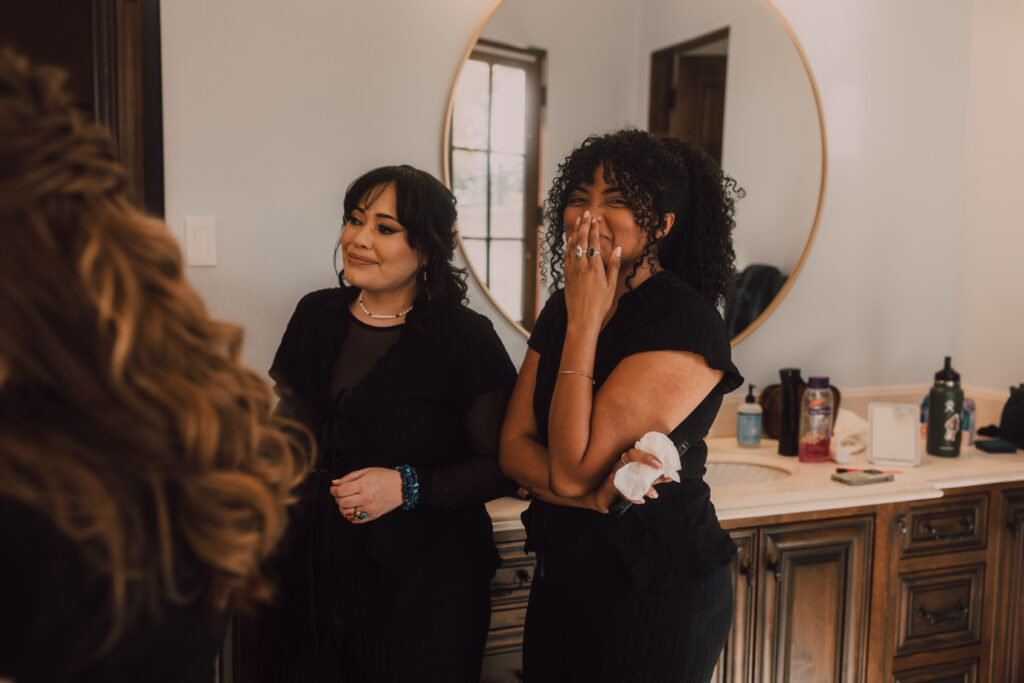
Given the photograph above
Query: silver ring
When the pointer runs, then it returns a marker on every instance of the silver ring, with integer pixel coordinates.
(578, 252)
(591, 253)
(623, 459)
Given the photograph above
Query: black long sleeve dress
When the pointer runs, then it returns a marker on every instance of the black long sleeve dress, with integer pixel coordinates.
(55, 607)
(642, 596)
(405, 596)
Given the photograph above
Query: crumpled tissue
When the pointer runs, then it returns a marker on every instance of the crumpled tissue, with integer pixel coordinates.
(849, 435)
(635, 479)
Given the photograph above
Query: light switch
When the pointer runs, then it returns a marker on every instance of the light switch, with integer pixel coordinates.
(201, 240)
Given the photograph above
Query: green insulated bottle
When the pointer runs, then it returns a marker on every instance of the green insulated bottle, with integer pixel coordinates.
(945, 407)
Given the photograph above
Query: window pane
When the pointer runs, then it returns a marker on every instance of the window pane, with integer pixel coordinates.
(469, 113)
(506, 281)
(508, 110)
(507, 184)
(469, 183)
(476, 252)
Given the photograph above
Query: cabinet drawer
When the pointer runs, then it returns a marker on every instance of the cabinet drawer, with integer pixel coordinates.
(940, 608)
(511, 583)
(502, 668)
(956, 672)
(946, 525)
(508, 616)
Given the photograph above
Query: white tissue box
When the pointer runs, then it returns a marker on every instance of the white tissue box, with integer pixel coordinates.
(894, 434)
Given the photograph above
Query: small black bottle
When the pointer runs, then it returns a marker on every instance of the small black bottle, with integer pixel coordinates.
(789, 414)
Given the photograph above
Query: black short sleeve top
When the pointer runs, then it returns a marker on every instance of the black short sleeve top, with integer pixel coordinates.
(678, 533)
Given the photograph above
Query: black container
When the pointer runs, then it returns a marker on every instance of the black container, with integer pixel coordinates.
(789, 418)
(945, 411)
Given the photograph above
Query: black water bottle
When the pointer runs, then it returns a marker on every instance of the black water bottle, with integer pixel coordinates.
(945, 411)
(789, 413)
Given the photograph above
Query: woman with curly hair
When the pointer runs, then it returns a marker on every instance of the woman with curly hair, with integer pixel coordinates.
(640, 236)
(385, 576)
(143, 481)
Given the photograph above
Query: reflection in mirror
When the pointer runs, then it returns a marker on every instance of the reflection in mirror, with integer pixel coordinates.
(687, 92)
(725, 74)
(494, 157)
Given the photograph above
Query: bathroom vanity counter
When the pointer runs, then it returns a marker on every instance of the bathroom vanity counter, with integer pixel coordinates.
(920, 578)
(757, 482)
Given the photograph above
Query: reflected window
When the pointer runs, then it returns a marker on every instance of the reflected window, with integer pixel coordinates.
(494, 158)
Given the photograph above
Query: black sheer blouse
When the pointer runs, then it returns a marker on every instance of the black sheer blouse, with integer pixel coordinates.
(677, 534)
(430, 393)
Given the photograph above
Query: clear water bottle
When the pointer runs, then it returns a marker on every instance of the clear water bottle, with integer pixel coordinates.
(816, 421)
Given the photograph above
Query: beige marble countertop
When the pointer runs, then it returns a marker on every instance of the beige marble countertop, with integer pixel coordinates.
(806, 487)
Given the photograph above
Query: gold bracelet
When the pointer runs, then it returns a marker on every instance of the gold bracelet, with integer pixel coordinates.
(576, 372)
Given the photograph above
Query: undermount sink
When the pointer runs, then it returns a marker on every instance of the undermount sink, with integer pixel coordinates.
(729, 473)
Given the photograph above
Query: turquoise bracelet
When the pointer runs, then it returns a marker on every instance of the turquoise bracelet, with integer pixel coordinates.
(410, 486)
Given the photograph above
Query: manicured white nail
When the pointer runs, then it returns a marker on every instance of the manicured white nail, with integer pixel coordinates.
(618, 252)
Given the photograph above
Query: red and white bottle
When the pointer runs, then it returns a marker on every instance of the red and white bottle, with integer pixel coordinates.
(816, 421)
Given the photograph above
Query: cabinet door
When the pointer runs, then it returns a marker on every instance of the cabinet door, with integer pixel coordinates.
(736, 664)
(1008, 662)
(815, 588)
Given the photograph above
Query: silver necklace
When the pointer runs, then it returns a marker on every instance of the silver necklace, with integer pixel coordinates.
(382, 317)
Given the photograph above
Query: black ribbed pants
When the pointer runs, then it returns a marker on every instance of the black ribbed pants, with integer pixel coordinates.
(582, 634)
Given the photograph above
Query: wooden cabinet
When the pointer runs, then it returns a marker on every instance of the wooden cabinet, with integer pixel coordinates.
(955, 672)
(1007, 649)
(737, 660)
(937, 588)
(802, 600)
(510, 590)
(902, 593)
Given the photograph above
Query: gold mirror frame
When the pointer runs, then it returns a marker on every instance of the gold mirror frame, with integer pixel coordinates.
(446, 170)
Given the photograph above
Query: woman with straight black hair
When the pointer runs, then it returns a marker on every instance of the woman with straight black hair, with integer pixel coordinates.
(385, 577)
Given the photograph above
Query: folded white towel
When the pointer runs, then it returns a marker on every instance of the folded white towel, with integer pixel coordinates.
(635, 479)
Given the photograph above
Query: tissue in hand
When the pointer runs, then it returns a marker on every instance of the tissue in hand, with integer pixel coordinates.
(635, 479)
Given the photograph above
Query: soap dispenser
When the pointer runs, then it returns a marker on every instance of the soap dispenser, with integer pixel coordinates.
(945, 408)
(748, 421)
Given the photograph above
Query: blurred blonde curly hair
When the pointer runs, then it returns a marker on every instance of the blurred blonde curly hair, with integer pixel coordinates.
(126, 417)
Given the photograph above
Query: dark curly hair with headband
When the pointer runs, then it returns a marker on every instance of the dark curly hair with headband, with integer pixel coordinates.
(127, 422)
(657, 176)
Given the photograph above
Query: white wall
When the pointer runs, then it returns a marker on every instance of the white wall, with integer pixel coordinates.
(875, 303)
(271, 108)
(990, 337)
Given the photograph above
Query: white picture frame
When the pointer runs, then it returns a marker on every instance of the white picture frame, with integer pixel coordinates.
(894, 434)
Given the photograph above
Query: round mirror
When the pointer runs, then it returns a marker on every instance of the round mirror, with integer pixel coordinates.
(541, 75)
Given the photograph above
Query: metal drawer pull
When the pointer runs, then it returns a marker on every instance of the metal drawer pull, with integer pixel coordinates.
(775, 568)
(966, 523)
(1015, 527)
(959, 612)
(521, 575)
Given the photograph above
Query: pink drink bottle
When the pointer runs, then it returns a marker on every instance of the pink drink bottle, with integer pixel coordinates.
(816, 421)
